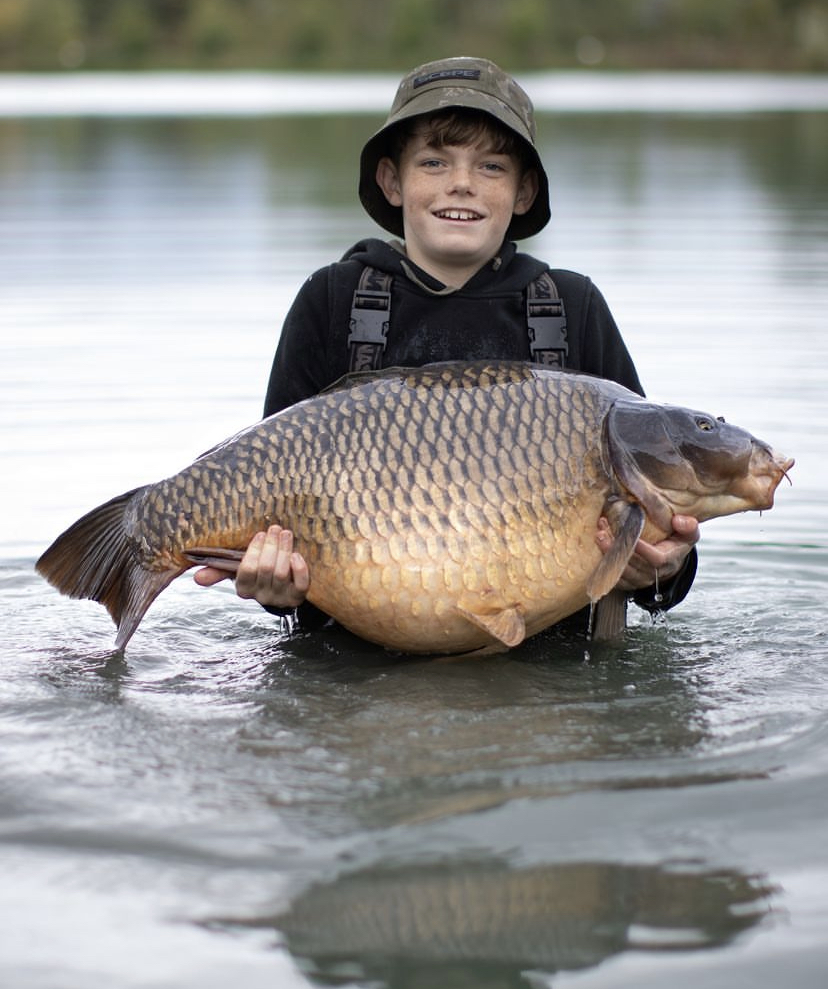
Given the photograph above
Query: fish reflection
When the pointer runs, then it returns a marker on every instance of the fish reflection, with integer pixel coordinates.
(484, 924)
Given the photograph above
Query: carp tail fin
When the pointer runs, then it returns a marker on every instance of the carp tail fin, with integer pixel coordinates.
(93, 560)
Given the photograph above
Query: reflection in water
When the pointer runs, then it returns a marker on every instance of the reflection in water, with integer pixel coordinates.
(481, 924)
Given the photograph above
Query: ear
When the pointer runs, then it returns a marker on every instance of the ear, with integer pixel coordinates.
(527, 191)
(388, 179)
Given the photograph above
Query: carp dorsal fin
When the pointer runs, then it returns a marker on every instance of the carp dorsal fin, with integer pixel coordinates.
(506, 626)
(465, 374)
(351, 378)
(629, 525)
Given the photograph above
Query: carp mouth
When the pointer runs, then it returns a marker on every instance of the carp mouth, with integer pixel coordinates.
(766, 469)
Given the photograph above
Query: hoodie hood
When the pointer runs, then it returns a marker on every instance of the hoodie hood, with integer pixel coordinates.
(507, 271)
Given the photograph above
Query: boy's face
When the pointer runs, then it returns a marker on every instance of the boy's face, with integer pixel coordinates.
(457, 203)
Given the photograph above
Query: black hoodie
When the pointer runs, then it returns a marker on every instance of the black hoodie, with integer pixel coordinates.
(486, 318)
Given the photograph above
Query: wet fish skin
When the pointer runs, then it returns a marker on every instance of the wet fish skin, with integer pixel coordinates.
(444, 509)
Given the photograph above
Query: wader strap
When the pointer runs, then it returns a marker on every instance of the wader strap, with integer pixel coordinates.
(370, 315)
(546, 321)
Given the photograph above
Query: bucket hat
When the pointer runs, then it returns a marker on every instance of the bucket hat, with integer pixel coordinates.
(475, 83)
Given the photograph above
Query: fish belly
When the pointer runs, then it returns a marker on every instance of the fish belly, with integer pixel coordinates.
(419, 589)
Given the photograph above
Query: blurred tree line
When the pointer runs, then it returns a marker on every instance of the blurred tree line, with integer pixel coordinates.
(46, 35)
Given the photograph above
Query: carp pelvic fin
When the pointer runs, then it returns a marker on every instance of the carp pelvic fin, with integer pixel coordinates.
(227, 560)
(629, 525)
(93, 560)
(506, 626)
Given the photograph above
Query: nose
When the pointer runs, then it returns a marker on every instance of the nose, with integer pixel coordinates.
(461, 179)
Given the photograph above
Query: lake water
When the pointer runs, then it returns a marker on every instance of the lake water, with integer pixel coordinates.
(227, 805)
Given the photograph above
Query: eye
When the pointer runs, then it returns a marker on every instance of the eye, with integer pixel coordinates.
(705, 424)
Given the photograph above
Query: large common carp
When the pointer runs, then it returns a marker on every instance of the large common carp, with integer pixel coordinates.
(443, 509)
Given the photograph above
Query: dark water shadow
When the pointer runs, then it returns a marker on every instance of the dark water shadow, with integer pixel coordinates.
(482, 924)
(405, 741)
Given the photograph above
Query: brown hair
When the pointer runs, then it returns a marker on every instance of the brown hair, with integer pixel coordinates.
(458, 126)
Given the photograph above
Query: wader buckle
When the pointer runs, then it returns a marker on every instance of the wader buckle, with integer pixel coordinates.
(370, 316)
(546, 322)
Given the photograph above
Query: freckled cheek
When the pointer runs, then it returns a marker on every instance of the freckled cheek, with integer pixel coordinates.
(423, 202)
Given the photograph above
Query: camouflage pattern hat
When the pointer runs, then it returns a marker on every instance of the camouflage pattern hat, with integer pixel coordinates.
(475, 83)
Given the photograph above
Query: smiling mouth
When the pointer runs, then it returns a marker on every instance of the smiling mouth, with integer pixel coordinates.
(457, 214)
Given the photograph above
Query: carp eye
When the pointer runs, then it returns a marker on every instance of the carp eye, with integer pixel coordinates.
(705, 424)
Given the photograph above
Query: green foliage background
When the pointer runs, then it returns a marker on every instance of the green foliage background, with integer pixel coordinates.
(54, 35)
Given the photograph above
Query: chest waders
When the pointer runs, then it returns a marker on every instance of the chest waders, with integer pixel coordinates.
(371, 317)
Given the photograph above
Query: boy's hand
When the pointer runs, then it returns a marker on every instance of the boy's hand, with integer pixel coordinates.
(269, 572)
(664, 558)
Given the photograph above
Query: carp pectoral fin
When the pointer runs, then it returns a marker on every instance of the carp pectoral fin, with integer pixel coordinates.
(215, 556)
(629, 526)
(506, 626)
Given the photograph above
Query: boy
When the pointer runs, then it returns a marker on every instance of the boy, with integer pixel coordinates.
(455, 173)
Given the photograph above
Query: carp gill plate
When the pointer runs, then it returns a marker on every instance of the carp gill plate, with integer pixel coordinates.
(443, 509)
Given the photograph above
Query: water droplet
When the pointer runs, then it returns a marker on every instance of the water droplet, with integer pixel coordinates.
(591, 621)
